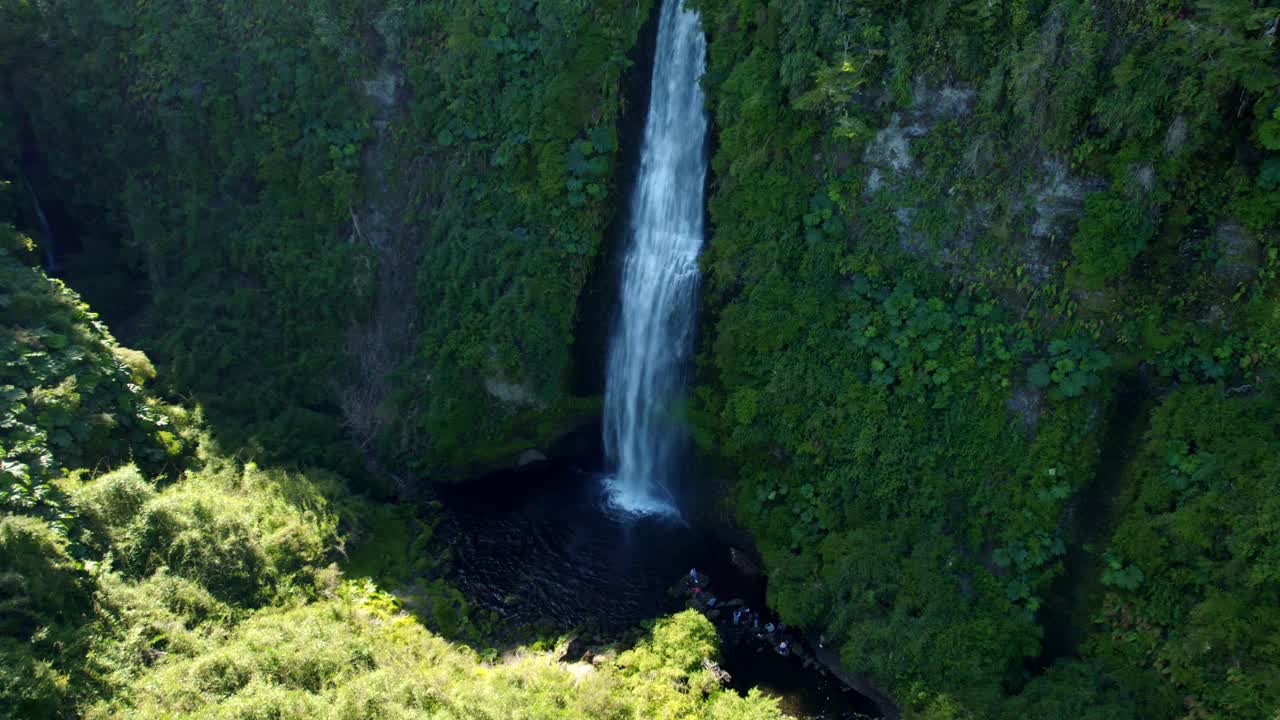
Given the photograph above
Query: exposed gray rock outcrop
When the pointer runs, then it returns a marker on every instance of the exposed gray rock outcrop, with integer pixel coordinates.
(888, 155)
(1238, 253)
(530, 456)
(510, 392)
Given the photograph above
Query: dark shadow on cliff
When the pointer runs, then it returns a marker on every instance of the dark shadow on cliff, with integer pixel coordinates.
(1076, 594)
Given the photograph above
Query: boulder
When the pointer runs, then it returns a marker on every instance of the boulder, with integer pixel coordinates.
(530, 456)
(744, 562)
(575, 650)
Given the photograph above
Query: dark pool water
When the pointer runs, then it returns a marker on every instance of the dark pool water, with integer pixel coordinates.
(539, 546)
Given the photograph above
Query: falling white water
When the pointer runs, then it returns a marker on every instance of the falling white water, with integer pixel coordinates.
(50, 254)
(654, 331)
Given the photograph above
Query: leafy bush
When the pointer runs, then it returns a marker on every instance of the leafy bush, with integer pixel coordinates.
(140, 622)
(1072, 368)
(66, 400)
(1110, 235)
(30, 688)
(137, 362)
(45, 603)
(236, 533)
(355, 658)
(1200, 568)
(108, 504)
(43, 592)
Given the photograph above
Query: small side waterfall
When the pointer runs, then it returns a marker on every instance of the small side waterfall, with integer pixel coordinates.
(48, 244)
(649, 352)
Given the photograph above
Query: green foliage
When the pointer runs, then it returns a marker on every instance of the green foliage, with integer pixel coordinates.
(1072, 368)
(100, 576)
(905, 369)
(239, 544)
(1269, 131)
(522, 100)
(1117, 574)
(209, 592)
(298, 244)
(908, 359)
(354, 657)
(382, 541)
(1111, 234)
(67, 399)
(138, 363)
(864, 402)
(1203, 572)
(213, 152)
(835, 87)
(192, 555)
(141, 621)
(922, 704)
(108, 503)
(1086, 689)
(45, 600)
(44, 591)
(1053, 79)
(676, 649)
(32, 688)
(1269, 174)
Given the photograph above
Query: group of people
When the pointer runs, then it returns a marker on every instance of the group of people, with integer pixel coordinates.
(743, 618)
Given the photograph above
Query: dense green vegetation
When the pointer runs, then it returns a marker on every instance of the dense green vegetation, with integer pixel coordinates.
(516, 105)
(191, 584)
(988, 353)
(369, 217)
(944, 234)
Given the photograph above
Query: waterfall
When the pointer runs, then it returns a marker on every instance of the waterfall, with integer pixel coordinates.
(649, 351)
(50, 250)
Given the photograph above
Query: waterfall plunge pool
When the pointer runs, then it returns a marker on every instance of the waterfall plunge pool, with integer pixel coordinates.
(541, 546)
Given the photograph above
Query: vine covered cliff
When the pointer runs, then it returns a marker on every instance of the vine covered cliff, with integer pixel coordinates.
(993, 343)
